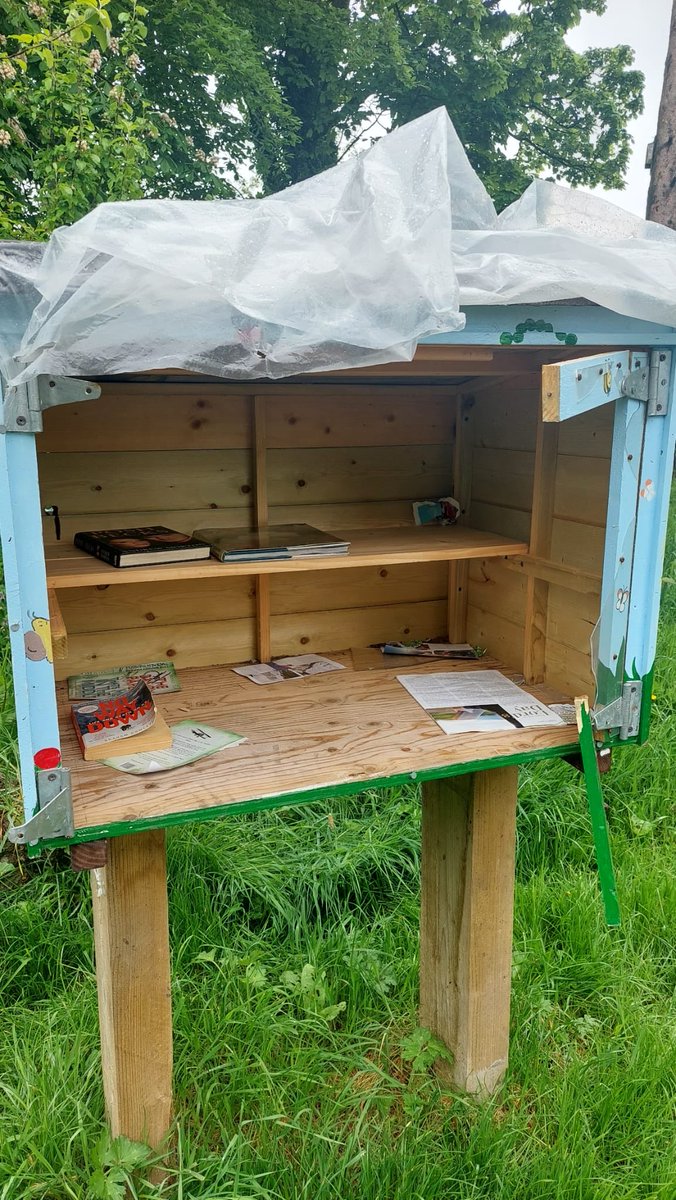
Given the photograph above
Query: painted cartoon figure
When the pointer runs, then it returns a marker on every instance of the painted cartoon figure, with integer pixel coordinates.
(622, 598)
(648, 491)
(38, 640)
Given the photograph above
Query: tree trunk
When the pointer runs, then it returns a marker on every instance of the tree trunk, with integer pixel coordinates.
(662, 191)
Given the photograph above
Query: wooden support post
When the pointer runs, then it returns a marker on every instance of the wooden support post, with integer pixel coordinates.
(131, 938)
(263, 634)
(458, 588)
(57, 624)
(467, 901)
(542, 520)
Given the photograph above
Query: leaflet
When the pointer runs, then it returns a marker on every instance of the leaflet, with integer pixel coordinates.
(190, 741)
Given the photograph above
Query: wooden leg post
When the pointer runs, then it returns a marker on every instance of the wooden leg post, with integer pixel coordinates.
(468, 844)
(131, 937)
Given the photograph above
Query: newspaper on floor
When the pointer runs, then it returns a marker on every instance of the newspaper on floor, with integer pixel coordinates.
(477, 702)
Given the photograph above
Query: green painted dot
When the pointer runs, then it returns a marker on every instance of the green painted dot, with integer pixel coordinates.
(571, 339)
(530, 325)
(505, 339)
(560, 337)
(520, 329)
(541, 326)
(518, 337)
(548, 328)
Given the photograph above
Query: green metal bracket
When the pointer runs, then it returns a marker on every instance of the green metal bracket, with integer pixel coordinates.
(597, 812)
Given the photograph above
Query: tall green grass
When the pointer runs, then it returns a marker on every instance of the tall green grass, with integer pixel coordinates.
(299, 1071)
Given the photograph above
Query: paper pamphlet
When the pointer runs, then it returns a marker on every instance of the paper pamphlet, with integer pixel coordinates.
(295, 666)
(477, 701)
(190, 741)
(103, 685)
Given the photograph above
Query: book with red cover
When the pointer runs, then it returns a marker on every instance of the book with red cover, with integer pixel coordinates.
(142, 545)
(101, 725)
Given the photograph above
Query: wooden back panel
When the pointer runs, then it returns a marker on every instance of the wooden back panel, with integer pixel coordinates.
(191, 453)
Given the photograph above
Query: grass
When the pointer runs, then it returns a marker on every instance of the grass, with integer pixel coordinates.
(300, 1074)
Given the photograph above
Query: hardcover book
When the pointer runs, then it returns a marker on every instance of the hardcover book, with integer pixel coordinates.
(142, 545)
(271, 542)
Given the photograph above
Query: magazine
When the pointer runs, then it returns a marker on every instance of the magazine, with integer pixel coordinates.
(190, 741)
(430, 649)
(271, 542)
(296, 666)
(477, 701)
(101, 685)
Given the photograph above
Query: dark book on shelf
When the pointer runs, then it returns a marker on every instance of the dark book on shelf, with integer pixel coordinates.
(142, 545)
(271, 542)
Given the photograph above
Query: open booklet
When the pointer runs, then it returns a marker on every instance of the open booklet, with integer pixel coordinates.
(477, 702)
(294, 666)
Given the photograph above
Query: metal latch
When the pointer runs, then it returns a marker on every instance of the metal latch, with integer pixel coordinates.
(624, 713)
(24, 403)
(649, 381)
(54, 817)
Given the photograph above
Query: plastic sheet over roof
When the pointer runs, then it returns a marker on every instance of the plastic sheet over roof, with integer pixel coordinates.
(349, 268)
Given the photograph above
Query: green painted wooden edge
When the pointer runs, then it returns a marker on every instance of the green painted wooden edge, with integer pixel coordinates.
(95, 832)
(646, 706)
(597, 812)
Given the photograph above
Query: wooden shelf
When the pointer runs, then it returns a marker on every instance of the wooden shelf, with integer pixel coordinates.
(71, 568)
(344, 728)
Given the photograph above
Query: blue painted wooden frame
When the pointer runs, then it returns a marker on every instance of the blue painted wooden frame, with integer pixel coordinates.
(526, 325)
(27, 607)
(654, 491)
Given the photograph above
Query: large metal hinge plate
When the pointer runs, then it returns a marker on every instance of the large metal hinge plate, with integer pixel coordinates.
(54, 817)
(24, 403)
(649, 381)
(624, 713)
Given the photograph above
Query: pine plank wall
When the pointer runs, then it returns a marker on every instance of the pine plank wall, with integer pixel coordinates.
(189, 453)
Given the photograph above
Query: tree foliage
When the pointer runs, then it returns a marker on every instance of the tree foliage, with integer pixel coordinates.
(103, 99)
(297, 81)
(74, 123)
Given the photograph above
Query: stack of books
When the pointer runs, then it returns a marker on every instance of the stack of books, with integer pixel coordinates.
(271, 542)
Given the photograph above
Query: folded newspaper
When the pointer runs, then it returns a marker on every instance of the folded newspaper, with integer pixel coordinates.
(477, 701)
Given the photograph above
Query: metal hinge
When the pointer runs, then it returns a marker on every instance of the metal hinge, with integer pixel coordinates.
(54, 817)
(649, 381)
(24, 403)
(624, 713)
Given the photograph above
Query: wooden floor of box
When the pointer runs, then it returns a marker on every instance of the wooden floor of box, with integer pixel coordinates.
(325, 731)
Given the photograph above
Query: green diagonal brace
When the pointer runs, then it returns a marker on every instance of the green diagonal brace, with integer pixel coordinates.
(597, 812)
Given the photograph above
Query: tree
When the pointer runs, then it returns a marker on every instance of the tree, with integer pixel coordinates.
(102, 99)
(286, 87)
(662, 192)
(74, 126)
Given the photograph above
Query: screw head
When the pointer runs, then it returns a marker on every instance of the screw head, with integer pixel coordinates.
(21, 420)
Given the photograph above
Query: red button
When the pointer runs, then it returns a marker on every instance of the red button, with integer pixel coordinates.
(48, 758)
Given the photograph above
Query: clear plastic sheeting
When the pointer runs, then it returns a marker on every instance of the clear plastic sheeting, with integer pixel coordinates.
(556, 243)
(350, 268)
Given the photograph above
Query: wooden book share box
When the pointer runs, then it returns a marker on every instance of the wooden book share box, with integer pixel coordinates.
(554, 428)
